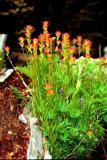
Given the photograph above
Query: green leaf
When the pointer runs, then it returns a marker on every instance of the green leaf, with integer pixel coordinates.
(91, 66)
(26, 70)
(62, 107)
(75, 113)
(51, 114)
(66, 79)
(104, 108)
(57, 76)
(105, 117)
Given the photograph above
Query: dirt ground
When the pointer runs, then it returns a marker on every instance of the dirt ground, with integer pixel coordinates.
(14, 135)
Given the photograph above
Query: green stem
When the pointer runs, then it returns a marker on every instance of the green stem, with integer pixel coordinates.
(100, 50)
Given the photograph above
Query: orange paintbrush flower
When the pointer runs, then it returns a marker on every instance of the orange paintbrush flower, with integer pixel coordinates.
(49, 92)
(87, 45)
(66, 36)
(41, 37)
(35, 41)
(29, 29)
(45, 24)
(87, 55)
(58, 33)
(48, 86)
(103, 58)
(79, 38)
(74, 40)
(21, 41)
(7, 48)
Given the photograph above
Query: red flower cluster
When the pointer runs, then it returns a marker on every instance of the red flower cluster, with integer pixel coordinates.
(87, 45)
(66, 39)
(29, 29)
(58, 34)
(45, 26)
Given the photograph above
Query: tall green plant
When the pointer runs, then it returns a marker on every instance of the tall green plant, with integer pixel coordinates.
(68, 95)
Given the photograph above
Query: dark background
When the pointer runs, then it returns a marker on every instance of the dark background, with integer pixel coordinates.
(87, 18)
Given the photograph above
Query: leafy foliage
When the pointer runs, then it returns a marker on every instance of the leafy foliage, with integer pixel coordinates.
(79, 108)
(18, 93)
(68, 96)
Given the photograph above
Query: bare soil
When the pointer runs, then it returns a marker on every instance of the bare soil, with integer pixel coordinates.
(14, 135)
